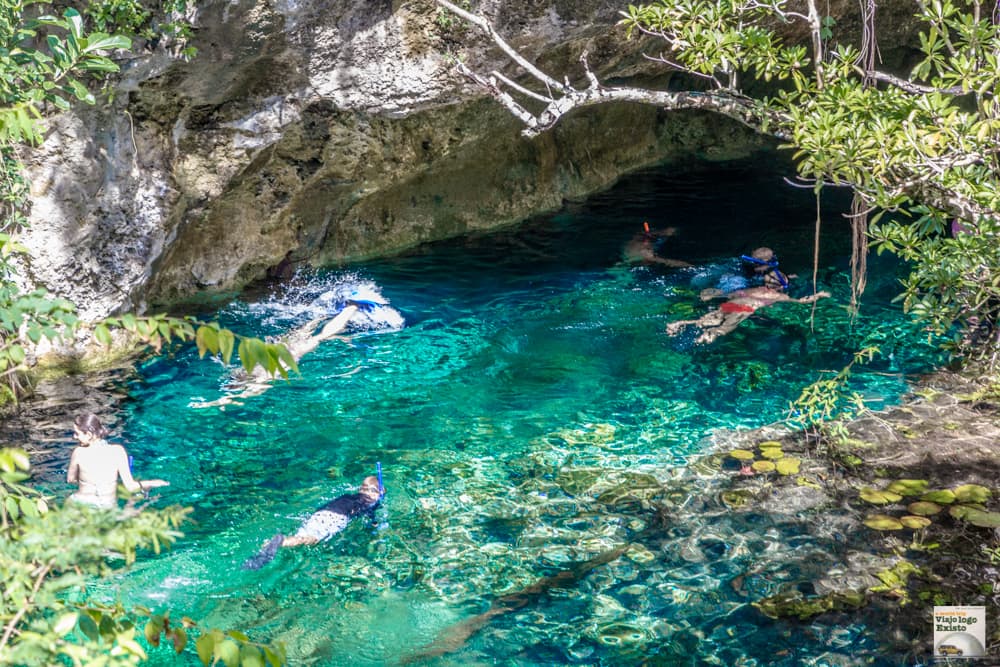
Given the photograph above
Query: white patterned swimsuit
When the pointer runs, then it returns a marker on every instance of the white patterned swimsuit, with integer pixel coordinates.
(333, 517)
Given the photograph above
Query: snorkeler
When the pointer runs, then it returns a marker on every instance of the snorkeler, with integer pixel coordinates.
(325, 522)
(643, 247)
(299, 342)
(743, 303)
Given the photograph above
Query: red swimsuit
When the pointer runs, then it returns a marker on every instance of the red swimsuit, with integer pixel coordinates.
(733, 307)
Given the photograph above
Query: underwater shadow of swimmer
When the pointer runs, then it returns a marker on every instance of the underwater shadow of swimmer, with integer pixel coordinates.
(453, 638)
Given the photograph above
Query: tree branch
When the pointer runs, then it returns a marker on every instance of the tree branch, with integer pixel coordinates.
(910, 86)
(12, 625)
(569, 98)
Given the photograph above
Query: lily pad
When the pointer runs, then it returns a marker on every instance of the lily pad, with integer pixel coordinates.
(960, 511)
(924, 508)
(763, 466)
(736, 497)
(915, 522)
(877, 497)
(972, 493)
(945, 497)
(769, 444)
(789, 466)
(882, 522)
(983, 519)
(772, 453)
(741, 454)
(908, 487)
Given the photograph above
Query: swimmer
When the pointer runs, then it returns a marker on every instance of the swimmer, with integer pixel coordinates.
(643, 246)
(743, 303)
(325, 522)
(299, 343)
(95, 466)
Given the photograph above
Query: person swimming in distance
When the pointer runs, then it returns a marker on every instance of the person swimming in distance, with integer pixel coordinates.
(743, 303)
(643, 247)
(325, 522)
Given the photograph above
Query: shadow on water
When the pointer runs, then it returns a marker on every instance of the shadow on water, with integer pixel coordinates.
(527, 418)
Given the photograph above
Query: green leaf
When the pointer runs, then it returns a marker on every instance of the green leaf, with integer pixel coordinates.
(250, 656)
(882, 522)
(152, 631)
(741, 454)
(983, 519)
(102, 335)
(924, 508)
(763, 466)
(228, 652)
(205, 646)
(908, 487)
(915, 522)
(179, 637)
(972, 493)
(877, 497)
(65, 624)
(226, 342)
(207, 340)
(103, 42)
(940, 497)
(75, 22)
(789, 466)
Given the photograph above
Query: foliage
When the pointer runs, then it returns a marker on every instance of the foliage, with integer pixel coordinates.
(48, 558)
(43, 62)
(148, 19)
(827, 399)
(927, 143)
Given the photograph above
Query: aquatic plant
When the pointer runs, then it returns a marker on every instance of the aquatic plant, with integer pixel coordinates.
(773, 459)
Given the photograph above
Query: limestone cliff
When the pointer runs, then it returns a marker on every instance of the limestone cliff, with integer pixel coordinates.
(312, 133)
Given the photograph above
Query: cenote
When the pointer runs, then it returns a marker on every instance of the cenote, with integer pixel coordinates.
(530, 415)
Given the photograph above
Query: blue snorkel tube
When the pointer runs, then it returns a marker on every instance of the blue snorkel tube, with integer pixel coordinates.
(773, 264)
(378, 473)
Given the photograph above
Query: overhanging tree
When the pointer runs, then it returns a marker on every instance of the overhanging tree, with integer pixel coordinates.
(49, 554)
(922, 146)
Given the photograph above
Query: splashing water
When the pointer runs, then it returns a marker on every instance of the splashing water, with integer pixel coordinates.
(529, 415)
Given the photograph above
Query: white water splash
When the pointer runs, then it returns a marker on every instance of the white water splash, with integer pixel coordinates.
(317, 297)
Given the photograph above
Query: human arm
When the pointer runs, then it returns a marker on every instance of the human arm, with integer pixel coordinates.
(337, 324)
(130, 483)
(73, 474)
(813, 297)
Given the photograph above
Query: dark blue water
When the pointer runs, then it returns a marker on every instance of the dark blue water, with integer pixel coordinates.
(531, 414)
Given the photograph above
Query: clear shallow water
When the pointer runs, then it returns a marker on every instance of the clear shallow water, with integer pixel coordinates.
(530, 415)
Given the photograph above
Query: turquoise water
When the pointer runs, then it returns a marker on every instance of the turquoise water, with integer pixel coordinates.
(531, 414)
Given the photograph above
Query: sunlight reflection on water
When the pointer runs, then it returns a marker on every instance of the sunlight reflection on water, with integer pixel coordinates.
(529, 416)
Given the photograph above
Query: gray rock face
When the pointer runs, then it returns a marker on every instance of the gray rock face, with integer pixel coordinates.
(308, 133)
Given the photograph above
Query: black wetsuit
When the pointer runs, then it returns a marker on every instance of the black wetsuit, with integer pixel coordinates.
(321, 525)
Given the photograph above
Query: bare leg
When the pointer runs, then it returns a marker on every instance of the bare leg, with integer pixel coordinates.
(298, 540)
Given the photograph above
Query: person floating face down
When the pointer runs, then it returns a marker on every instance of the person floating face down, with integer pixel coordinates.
(95, 466)
(743, 303)
(642, 248)
(299, 342)
(325, 522)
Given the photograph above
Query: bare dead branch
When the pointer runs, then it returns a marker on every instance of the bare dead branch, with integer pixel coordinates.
(910, 86)
(499, 41)
(563, 98)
